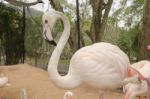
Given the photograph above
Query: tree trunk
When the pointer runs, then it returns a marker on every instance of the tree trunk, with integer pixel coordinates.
(99, 19)
(144, 37)
(56, 5)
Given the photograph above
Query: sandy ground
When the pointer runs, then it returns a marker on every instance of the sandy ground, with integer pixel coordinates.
(38, 85)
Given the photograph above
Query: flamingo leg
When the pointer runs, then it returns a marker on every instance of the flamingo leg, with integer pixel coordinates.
(139, 97)
(101, 95)
(148, 93)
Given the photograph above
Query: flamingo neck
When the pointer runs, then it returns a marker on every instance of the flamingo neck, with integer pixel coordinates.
(68, 81)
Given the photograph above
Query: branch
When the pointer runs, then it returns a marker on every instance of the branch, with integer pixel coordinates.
(20, 3)
(105, 15)
(56, 5)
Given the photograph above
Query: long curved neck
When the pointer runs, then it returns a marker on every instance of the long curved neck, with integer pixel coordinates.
(68, 81)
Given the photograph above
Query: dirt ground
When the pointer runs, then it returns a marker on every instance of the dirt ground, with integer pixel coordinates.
(37, 84)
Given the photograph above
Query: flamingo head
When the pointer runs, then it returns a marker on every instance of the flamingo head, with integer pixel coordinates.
(49, 19)
(135, 89)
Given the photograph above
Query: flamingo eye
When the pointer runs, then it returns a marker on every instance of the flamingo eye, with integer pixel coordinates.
(46, 21)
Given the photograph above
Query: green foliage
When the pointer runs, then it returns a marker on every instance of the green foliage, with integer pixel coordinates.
(33, 36)
(128, 41)
(128, 18)
(10, 33)
(130, 12)
(138, 2)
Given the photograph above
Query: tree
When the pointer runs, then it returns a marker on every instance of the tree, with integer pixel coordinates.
(99, 19)
(144, 37)
(129, 13)
(128, 17)
(10, 33)
(33, 39)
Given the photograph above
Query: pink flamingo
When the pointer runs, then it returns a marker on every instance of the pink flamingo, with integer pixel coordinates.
(3, 81)
(102, 65)
(142, 88)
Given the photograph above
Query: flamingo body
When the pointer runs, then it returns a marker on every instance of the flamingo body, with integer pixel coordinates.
(101, 65)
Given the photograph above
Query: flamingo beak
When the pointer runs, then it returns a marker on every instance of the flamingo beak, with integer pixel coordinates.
(40, 1)
(47, 34)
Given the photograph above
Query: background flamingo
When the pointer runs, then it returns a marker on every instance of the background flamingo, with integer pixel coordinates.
(142, 88)
(3, 81)
(148, 47)
(101, 65)
(68, 95)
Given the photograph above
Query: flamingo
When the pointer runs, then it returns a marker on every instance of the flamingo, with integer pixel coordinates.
(102, 65)
(148, 47)
(142, 88)
(68, 95)
(3, 81)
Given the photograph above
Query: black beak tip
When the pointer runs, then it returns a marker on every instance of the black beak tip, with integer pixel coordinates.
(40, 1)
(52, 42)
